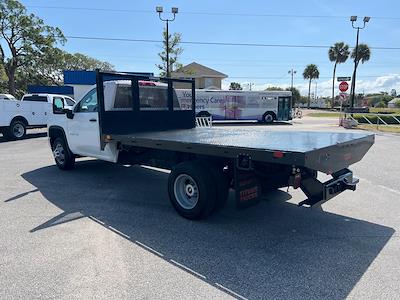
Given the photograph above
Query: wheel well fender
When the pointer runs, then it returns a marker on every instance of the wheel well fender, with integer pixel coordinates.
(20, 118)
(55, 132)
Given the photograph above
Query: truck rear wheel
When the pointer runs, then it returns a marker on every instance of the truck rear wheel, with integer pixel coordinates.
(63, 157)
(17, 130)
(192, 190)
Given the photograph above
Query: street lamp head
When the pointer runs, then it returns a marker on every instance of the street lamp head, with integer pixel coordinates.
(159, 9)
(174, 10)
(353, 18)
(366, 19)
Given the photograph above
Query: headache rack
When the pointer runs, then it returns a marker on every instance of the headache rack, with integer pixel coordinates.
(136, 119)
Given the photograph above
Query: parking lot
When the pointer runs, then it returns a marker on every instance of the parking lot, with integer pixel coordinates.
(109, 231)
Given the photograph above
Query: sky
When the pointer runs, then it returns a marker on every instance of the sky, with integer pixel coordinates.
(284, 22)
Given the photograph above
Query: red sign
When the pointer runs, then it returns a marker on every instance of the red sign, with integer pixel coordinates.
(343, 86)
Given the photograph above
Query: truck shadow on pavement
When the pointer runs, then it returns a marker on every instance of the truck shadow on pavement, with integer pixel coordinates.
(26, 137)
(273, 250)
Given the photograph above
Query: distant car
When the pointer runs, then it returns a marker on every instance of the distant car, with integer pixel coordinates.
(31, 112)
(7, 97)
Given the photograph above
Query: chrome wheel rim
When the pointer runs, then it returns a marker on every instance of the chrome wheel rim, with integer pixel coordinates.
(18, 130)
(59, 153)
(186, 191)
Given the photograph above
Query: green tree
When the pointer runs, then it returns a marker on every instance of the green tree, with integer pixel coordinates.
(381, 105)
(25, 36)
(295, 95)
(274, 88)
(48, 69)
(310, 72)
(338, 53)
(174, 51)
(235, 86)
(363, 54)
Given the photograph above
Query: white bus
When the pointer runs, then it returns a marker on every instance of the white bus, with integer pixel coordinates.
(263, 106)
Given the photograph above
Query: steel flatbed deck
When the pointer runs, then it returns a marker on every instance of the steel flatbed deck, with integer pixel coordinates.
(323, 151)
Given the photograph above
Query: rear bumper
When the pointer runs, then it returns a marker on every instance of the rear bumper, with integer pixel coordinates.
(318, 192)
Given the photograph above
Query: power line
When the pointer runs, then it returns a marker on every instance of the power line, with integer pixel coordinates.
(217, 43)
(321, 77)
(206, 13)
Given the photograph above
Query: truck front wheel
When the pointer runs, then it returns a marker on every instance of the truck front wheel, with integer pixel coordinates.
(192, 190)
(63, 157)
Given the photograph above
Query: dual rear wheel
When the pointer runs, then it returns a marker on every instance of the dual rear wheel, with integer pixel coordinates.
(197, 189)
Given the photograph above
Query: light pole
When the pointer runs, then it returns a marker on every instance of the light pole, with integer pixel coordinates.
(174, 11)
(353, 82)
(250, 84)
(292, 72)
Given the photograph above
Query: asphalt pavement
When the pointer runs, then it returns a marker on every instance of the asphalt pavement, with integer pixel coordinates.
(106, 231)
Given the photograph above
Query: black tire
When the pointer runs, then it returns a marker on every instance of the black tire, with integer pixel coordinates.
(268, 117)
(16, 131)
(192, 176)
(66, 160)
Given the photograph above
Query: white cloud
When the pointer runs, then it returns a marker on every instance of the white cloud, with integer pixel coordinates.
(324, 88)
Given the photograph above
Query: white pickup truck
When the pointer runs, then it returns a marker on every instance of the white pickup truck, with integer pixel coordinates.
(31, 112)
(131, 120)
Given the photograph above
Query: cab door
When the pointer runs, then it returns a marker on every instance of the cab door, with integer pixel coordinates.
(83, 129)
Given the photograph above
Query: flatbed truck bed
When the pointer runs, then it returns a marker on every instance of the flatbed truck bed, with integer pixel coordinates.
(327, 152)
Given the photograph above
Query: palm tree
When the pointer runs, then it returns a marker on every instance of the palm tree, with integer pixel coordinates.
(310, 72)
(338, 53)
(363, 55)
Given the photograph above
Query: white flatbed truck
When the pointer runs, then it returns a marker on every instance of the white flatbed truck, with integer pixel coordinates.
(121, 121)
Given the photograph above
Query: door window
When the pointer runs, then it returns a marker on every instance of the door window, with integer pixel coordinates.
(35, 98)
(58, 104)
(89, 102)
(69, 101)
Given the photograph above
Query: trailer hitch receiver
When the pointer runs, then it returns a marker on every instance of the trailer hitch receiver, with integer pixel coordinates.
(317, 191)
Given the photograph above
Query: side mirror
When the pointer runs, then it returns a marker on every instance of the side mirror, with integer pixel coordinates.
(69, 113)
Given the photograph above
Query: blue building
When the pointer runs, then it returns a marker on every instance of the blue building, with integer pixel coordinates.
(76, 84)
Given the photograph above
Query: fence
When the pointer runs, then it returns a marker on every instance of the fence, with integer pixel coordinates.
(372, 118)
(203, 121)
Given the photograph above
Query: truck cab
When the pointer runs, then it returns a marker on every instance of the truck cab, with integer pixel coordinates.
(81, 126)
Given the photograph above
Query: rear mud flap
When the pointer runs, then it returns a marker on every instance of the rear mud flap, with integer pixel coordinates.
(247, 188)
